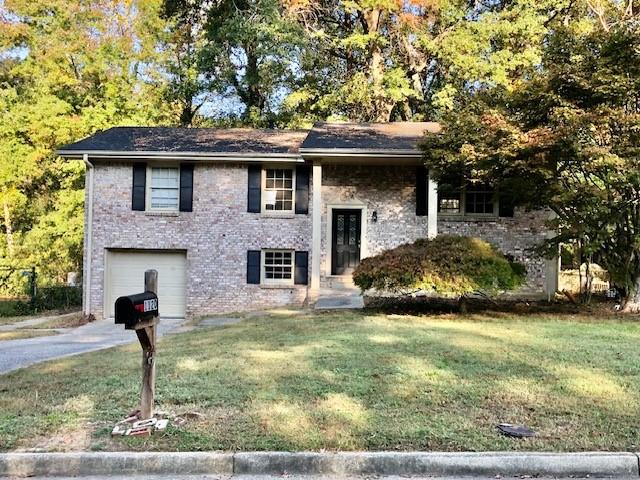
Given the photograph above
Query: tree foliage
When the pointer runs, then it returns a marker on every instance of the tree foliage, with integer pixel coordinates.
(567, 138)
(381, 60)
(67, 69)
(512, 78)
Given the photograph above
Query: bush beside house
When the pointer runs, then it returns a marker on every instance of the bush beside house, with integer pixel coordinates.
(56, 297)
(447, 265)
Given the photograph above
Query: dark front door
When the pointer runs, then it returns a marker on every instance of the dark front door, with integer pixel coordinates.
(345, 239)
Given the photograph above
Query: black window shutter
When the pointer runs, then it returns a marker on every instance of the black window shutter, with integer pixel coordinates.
(422, 177)
(138, 192)
(255, 184)
(302, 189)
(186, 187)
(301, 276)
(505, 205)
(253, 266)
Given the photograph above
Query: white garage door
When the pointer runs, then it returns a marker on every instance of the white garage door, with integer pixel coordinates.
(125, 276)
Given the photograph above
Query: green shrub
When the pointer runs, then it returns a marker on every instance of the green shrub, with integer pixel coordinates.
(58, 297)
(13, 308)
(447, 265)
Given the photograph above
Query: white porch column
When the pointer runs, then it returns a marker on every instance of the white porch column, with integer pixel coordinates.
(432, 212)
(316, 226)
(552, 266)
(88, 236)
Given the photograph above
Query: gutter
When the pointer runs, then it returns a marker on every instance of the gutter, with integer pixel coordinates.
(202, 156)
(241, 157)
(88, 236)
(355, 152)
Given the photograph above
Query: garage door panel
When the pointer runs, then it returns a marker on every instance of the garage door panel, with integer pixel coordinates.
(125, 276)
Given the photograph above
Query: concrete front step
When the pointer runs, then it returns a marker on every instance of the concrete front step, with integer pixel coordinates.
(339, 293)
(339, 302)
(340, 283)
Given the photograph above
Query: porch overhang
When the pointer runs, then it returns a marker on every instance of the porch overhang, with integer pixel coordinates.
(362, 157)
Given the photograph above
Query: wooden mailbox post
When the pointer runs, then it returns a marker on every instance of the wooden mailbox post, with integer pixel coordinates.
(139, 312)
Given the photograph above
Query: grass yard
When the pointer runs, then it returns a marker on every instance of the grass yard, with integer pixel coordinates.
(20, 334)
(62, 321)
(15, 319)
(21, 318)
(349, 381)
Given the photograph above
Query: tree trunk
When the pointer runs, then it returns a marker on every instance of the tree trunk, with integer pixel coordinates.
(632, 301)
(254, 98)
(381, 103)
(8, 226)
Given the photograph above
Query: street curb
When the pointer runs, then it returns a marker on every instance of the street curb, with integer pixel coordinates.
(114, 463)
(593, 464)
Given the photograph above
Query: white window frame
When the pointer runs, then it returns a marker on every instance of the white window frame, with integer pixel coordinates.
(463, 207)
(263, 190)
(277, 281)
(149, 187)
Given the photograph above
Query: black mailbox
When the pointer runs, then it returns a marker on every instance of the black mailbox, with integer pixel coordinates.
(133, 309)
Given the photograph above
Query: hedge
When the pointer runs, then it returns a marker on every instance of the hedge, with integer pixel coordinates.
(447, 265)
(59, 297)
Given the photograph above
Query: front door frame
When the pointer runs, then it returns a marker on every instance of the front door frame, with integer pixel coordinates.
(364, 251)
(354, 251)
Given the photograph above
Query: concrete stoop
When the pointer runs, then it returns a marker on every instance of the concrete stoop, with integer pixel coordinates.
(339, 302)
(586, 464)
(339, 293)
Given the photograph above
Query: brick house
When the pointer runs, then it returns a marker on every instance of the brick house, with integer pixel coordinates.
(240, 219)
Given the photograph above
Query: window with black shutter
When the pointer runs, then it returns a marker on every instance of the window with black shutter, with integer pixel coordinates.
(302, 268)
(302, 189)
(422, 178)
(253, 266)
(186, 187)
(506, 205)
(255, 185)
(139, 189)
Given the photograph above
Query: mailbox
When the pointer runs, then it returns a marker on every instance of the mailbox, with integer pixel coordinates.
(133, 309)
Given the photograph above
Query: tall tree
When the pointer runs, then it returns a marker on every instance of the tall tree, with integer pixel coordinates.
(566, 139)
(249, 54)
(190, 84)
(257, 48)
(67, 69)
(381, 60)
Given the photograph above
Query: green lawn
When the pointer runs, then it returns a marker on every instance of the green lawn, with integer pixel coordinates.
(350, 382)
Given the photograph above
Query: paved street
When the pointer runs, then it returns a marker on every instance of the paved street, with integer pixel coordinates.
(16, 354)
(282, 477)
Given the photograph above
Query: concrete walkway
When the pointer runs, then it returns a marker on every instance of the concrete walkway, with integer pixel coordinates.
(97, 335)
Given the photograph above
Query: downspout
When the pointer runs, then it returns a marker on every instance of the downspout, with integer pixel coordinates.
(88, 243)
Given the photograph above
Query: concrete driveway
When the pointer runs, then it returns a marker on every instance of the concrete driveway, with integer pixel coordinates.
(101, 334)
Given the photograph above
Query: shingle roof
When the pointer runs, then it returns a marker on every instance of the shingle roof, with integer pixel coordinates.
(393, 136)
(395, 139)
(200, 140)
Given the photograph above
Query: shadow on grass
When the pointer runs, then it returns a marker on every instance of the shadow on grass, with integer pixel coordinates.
(351, 381)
